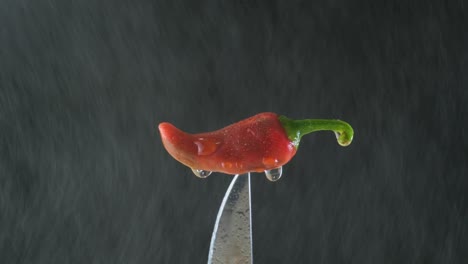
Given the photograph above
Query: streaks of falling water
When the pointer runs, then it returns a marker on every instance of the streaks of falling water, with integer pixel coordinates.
(274, 174)
(201, 173)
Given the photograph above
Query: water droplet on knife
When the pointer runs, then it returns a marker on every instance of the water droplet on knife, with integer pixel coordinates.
(274, 174)
(201, 173)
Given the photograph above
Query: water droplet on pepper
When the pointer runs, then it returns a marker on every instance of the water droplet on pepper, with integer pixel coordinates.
(337, 134)
(201, 173)
(226, 165)
(269, 162)
(206, 147)
(251, 132)
(274, 174)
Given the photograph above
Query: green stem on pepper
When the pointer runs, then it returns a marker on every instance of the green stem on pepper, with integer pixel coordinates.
(295, 129)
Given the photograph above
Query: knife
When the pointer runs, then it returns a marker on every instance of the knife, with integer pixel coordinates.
(231, 241)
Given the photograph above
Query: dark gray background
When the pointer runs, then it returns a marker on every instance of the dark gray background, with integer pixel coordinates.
(84, 177)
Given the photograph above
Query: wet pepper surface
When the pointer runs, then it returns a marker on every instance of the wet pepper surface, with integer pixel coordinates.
(262, 142)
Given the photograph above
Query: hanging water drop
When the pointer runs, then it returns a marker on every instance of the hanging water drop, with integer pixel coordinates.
(274, 174)
(337, 134)
(201, 173)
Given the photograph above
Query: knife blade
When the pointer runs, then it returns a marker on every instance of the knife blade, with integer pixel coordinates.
(231, 241)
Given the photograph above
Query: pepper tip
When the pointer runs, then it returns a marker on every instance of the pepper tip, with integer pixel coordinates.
(164, 128)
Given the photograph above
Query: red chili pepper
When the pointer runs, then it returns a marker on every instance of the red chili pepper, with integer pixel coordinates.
(262, 142)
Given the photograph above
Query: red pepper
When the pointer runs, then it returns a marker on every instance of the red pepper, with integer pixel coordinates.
(262, 142)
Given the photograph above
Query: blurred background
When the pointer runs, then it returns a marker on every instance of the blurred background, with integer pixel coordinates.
(84, 177)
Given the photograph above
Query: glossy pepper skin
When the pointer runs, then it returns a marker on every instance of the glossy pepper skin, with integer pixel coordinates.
(262, 142)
